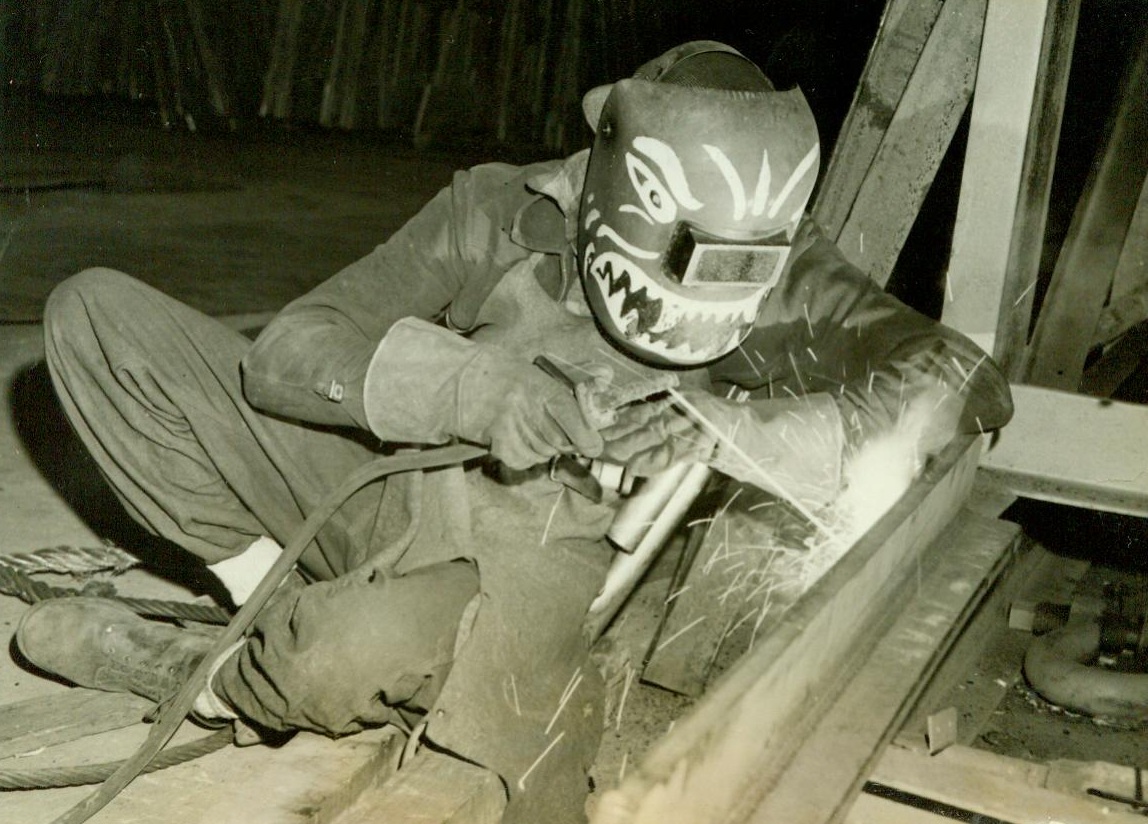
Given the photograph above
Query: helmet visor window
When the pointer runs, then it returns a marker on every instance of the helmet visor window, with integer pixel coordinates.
(727, 264)
(694, 261)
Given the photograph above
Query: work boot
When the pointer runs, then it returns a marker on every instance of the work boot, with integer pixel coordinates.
(97, 643)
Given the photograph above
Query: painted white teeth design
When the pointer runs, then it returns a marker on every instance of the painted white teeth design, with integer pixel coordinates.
(735, 314)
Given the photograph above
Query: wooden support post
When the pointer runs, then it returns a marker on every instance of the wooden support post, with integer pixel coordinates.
(1085, 270)
(904, 29)
(915, 142)
(1074, 449)
(1013, 137)
(734, 746)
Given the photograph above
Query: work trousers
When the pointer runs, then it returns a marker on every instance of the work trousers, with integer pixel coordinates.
(153, 389)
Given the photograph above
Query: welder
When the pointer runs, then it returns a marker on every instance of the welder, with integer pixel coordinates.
(678, 243)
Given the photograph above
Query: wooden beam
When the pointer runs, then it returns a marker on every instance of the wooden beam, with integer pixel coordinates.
(1119, 361)
(915, 142)
(905, 27)
(1013, 137)
(1074, 449)
(1084, 272)
(834, 759)
(1007, 789)
(735, 744)
(1132, 268)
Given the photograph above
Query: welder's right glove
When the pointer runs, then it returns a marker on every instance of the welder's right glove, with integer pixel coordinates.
(790, 447)
(426, 384)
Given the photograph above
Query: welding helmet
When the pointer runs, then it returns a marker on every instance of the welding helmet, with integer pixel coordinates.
(697, 178)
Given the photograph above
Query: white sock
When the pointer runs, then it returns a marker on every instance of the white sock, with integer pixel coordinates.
(207, 704)
(241, 573)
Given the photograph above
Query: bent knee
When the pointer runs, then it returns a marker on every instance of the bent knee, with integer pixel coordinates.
(97, 284)
(79, 305)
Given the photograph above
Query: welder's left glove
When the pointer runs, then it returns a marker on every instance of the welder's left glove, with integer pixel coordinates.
(790, 447)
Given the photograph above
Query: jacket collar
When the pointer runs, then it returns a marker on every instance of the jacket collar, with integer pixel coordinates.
(548, 221)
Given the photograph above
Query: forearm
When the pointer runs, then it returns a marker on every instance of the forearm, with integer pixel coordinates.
(309, 369)
(829, 329)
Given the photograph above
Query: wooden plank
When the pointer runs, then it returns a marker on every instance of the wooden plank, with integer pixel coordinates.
(42, 722)
(1086, 266)
(904, 29)
(833, 760)
(731, 747)
(1074, 449)
(991, 785)
(1014, 132)
(915, 142)
(433, 788)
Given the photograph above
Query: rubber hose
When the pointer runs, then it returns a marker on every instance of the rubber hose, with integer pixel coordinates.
(1060, 666)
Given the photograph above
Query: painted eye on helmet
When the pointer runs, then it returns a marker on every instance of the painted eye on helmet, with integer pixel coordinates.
(696, 259)
(655, 197)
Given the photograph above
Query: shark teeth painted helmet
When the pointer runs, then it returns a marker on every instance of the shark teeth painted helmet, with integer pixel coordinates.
(698, 177)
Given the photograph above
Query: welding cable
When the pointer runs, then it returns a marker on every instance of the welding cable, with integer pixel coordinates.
(51, 778)
(176, 709)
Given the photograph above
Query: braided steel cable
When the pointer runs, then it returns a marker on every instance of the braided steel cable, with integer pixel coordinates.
(71, 560)
(16, 583)
(47, 778)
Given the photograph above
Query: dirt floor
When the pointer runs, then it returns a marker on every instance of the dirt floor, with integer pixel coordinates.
(237, 225)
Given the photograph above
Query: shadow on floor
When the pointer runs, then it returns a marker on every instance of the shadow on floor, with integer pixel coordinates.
(57, 453)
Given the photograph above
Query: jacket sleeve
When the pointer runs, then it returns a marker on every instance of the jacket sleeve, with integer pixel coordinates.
(828, 328)
(310, 362)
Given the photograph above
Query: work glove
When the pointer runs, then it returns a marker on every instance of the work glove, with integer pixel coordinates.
(426, 384)
(790, 447)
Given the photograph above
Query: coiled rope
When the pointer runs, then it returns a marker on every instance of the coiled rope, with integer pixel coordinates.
(16, 580)
(49, 778)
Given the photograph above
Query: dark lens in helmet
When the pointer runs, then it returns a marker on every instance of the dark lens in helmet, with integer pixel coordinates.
(694, 259)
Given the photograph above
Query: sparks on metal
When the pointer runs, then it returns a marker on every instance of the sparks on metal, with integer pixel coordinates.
(553, 510)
